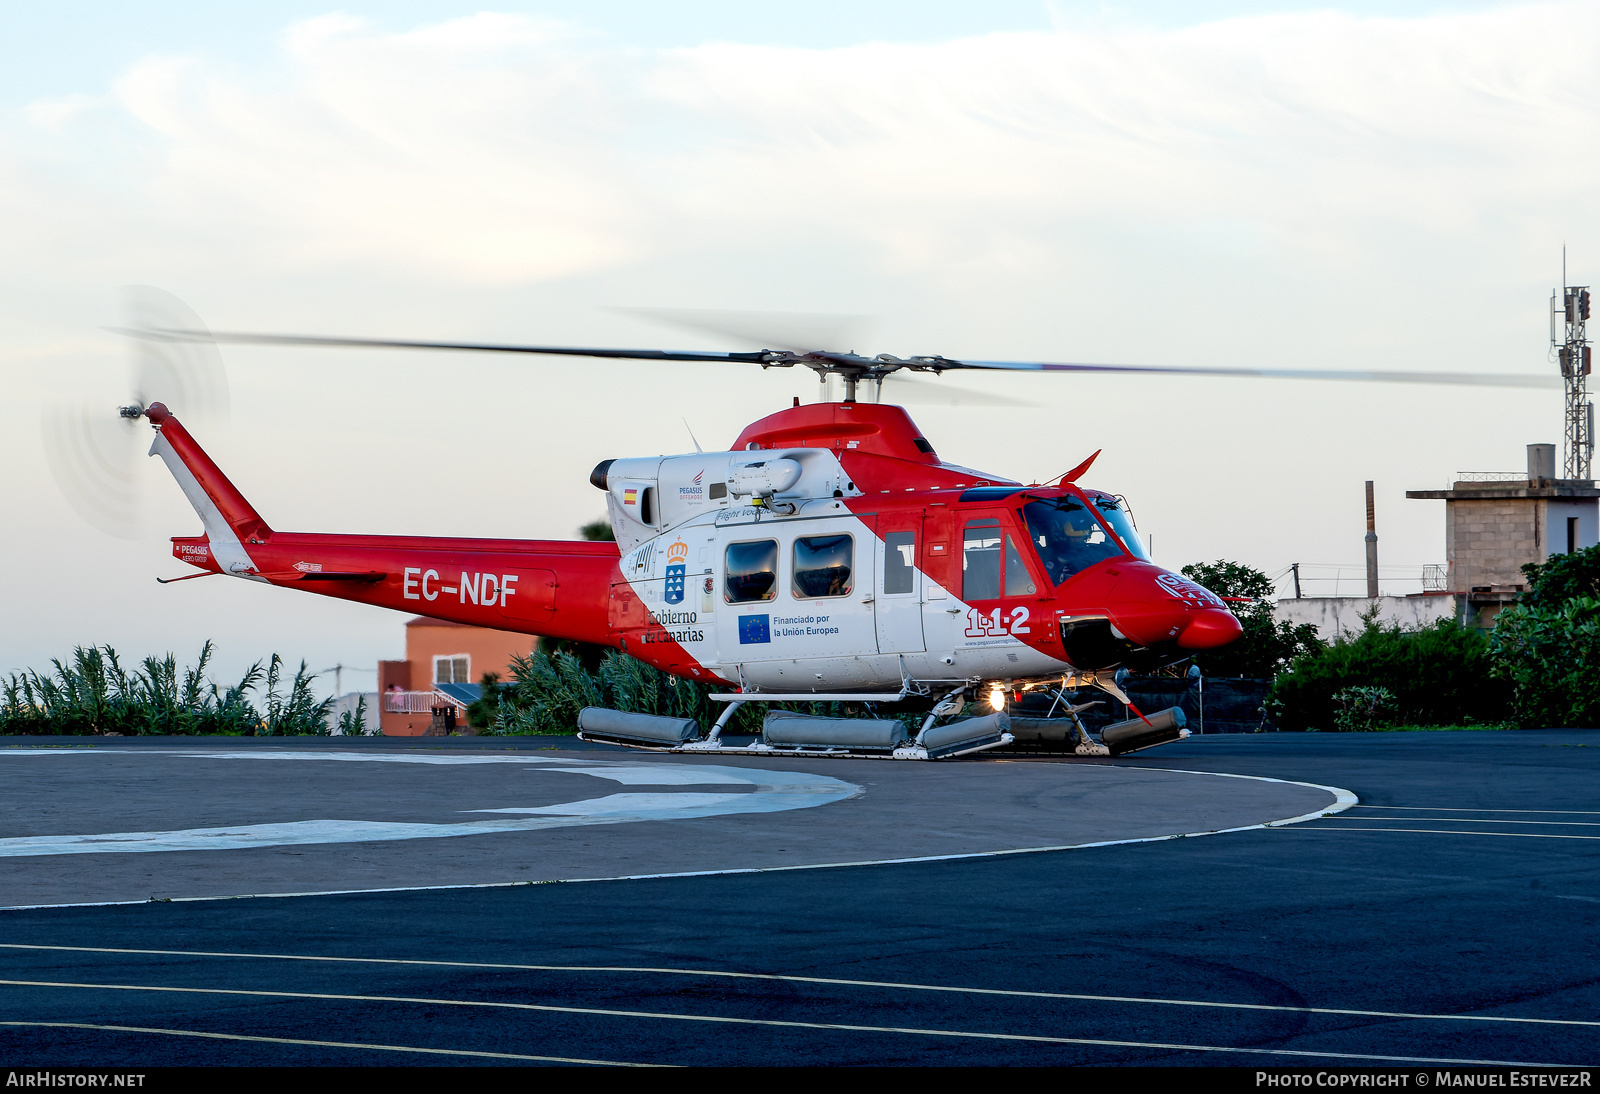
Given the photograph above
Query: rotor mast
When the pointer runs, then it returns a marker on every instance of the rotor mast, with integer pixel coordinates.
(854, 369)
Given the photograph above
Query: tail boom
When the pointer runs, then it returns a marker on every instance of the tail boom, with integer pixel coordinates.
(554, 588)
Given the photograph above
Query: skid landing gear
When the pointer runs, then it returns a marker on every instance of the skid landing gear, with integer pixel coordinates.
(787, 733)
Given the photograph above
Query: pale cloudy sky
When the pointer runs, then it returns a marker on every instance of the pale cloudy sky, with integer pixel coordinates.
(1361, 186)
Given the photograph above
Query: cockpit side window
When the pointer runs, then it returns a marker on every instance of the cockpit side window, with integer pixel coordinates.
(1018, 581)
(1067, 536)
(980, 561)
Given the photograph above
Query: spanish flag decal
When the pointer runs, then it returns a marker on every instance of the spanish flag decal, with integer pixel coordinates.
(630, 497)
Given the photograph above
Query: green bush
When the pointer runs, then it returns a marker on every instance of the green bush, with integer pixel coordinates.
(353, 723)
(94, 694)
(1562, 579)
(1440, 675)
(1360, 709)
(1551, 656)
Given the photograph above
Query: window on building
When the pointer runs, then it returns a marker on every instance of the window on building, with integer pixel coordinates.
(823, 566)
(752, 572)
(454, 669)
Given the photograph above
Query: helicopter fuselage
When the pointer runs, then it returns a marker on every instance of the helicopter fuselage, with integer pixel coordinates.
(828, 551)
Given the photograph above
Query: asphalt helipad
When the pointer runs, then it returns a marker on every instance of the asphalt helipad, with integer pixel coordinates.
(133, 822)
(1449, 919)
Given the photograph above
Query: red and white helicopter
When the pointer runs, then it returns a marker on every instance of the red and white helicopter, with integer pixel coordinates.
(829, 553)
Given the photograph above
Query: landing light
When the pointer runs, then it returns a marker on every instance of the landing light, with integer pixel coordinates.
(997, 698)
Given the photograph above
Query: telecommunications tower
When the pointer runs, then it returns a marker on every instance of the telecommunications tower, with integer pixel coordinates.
(1569, 313)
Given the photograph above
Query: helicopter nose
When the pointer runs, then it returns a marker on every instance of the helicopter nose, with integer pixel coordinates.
(1209, 628)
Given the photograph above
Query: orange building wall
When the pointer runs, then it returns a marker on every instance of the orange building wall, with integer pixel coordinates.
(489, 651)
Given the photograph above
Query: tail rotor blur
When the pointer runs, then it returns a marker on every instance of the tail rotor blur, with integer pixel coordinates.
(94, 446)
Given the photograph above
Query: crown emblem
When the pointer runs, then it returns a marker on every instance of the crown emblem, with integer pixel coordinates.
(678, 551)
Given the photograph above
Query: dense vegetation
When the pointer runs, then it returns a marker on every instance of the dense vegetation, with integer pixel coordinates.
(1440, 675)
(1550, 656)
(1563, 579)
(1539, 666)
(1547, 647)
(94, 694)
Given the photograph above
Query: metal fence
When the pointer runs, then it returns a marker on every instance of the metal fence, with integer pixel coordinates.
(1224, 704)
(417, 702)
(1491, 476)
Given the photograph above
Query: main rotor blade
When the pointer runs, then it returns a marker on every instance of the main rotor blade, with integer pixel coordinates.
(246, 339)
(1471, 379)
(781, 357)
(798, 332)
(898, 389)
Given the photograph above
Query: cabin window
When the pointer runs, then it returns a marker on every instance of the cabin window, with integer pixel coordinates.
(899, 562)
(1067, 536)
(823, 566)
(752, 572)
(454, 669)
(980, 561)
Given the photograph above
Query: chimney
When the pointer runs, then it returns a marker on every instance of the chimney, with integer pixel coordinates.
(1372, 545)
(1541, 463)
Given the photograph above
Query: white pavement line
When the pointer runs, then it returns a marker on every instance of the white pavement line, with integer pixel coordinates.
(296, 754)
(1449, 809)
(826, 981)
(1472, 820)
(1343, 799)
(844, 1027)
(326, 1044)
(1453, 832)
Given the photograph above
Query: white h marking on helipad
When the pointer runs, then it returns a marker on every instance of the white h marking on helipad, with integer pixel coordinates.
(771, 792)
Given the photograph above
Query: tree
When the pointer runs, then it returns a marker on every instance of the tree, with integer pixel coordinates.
(1564, 578)
(1267, 647)
(597, 530)
(1551, 656)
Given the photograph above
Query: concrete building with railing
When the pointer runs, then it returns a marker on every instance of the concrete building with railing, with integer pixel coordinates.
(1497, 522)
(440, 673)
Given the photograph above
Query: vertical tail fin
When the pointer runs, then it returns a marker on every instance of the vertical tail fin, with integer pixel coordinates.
(230, 521)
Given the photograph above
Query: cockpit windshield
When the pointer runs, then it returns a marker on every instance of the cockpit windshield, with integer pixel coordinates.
(1067, 536)
(1114, 511)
